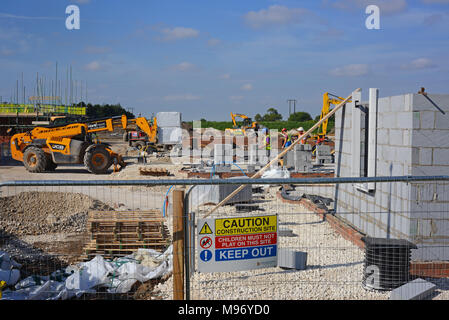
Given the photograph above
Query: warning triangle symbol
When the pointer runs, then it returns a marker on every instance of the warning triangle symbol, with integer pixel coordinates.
(205, 229)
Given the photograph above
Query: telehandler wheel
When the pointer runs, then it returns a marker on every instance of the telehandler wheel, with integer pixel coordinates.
(97, 160)
(34, 159)
(51, 166)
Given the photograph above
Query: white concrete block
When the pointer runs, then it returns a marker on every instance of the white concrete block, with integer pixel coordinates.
(417, 289)
(168, 119)
(169, 135)
(397, 103)
(428, 120)
(396, 137)
(290, 259)
(441, 121)
(404, 120)
(425, 156)
(441, 156)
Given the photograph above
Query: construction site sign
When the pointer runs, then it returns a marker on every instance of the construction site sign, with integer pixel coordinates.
(237, 244)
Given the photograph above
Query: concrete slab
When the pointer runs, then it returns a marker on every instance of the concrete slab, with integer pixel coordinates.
(417, 289)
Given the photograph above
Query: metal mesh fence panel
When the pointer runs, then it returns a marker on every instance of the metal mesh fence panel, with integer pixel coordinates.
(346, 239)
(85, 242)
(334, 241)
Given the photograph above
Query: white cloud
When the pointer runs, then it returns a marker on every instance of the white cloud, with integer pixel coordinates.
(274, 15)
(386, 6)
(351, 70)
(14, 16)
(225, 76)
(213, 42)
(179, 33)
(236, 98)
(92, 66)
(182, 97)
(247, 87)
(421, 63)
(183, 66)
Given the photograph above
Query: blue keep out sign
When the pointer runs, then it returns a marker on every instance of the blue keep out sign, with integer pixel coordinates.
(245, 253)
(237, 243)
(206, 255)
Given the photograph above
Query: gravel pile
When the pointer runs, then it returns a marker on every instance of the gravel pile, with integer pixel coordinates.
(36, 213)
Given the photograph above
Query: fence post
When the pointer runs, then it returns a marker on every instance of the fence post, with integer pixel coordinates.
(178, 244)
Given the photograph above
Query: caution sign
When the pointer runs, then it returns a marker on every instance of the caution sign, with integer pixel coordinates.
(206, 229)
(248, 225)
(237, 244)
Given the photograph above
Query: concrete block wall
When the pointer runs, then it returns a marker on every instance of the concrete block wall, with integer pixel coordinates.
(223, 153)
(412, 139)
(430, 140)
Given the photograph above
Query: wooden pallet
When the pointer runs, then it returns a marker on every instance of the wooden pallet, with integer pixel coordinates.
(120, 233)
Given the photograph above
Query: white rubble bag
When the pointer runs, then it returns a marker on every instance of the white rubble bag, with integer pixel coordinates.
(9, 269)
(116, 276)
(276, 172)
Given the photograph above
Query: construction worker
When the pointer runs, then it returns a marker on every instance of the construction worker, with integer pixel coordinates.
(300, 133)
(267, 142)
(287, 138)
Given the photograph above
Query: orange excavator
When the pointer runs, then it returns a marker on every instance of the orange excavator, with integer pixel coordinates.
(246, 124)
(43, 148)
(328, 100)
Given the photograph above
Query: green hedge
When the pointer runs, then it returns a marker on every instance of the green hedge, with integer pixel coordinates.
(278, 125)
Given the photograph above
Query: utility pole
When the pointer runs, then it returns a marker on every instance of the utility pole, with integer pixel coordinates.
(289, 106)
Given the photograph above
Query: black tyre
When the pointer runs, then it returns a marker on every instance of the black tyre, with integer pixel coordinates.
(97, 160)
(34, 159)
(51, 166)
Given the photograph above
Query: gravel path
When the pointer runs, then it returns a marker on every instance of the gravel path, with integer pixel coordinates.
(334, 265)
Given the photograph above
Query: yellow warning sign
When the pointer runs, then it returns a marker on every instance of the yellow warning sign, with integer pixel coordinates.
(247, 225)
(205, 229)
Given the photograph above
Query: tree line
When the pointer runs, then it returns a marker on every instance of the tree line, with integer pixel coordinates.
(104, 111)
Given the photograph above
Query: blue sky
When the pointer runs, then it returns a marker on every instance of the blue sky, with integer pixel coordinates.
(209, 58)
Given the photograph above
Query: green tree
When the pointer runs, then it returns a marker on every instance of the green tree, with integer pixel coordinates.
(272, 115)
(258, 117)
(300, 116)
(106, 110)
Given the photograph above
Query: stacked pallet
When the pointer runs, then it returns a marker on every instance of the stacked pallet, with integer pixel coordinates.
(120, 233)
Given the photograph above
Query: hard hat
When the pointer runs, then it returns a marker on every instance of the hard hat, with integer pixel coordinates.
(265, 130)
(300, 129)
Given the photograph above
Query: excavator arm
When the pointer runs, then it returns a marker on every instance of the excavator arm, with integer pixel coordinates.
(149, 129)
(327, 101)
(244, 117)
